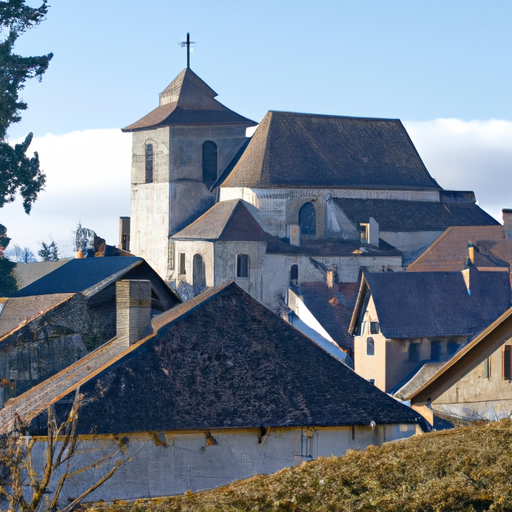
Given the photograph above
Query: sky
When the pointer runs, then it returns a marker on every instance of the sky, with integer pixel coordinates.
(443, 67)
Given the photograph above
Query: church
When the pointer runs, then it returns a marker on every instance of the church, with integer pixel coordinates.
(306, 199)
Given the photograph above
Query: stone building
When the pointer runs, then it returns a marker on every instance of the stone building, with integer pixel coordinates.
(336, 194)
(178, 152)
(220, 389)
(69, 312)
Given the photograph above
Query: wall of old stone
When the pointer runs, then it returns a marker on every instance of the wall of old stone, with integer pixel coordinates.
(173, 462)
(479, 394)
(55, 340)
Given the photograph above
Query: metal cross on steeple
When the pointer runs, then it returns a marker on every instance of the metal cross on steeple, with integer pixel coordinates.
(187, 43)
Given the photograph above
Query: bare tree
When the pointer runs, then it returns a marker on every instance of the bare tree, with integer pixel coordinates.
(30, 484)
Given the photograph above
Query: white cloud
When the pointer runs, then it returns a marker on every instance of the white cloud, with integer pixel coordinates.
(472, 155)
(88, 180)
(88, 176)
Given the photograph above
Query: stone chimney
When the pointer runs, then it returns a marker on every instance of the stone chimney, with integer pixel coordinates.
(294, 234)
(471, 253)
(507, 222)
(133, 310)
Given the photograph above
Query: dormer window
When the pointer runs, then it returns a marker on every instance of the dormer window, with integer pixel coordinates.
(242, 265)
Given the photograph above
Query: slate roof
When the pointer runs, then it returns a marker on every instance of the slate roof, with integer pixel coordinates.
(223, 360)
(27, 273)
(188, 101)
(450, 251)
(332, 308)
(427, 304)
(394, 215)
(306, 150)
(86, 276)
(77, 275)
(231, 220)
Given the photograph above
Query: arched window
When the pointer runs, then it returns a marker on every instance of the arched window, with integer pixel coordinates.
(370, 346)
(209, 162)
(307, 219)
(294, 275)
(149, 163)
(198, 273)
(242, 265)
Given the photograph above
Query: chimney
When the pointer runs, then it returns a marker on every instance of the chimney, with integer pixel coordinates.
(294, 230)
(330, 279)
(373, 232)
(471, 253)
(507, 222)
(133, 310)
(469, 275)
(124, 233)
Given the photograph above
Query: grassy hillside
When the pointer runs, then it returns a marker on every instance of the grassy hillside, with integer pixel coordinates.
(464, 469)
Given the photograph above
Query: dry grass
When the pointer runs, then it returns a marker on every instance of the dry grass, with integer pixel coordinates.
(464, 469)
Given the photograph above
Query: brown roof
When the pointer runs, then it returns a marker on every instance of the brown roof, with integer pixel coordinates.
(188, 101)
(306, 150)
(231, 220)
(245, 367)
(450, 251)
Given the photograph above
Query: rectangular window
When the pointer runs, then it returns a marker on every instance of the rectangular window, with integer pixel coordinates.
(171, 255)
(414, 352)
(374, 327)
(182, 263)
(242, 265)
(506, 366)
(487, 368)
(149, 163)
(435, 350)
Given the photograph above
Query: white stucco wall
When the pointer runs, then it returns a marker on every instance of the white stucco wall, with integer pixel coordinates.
(187, 462)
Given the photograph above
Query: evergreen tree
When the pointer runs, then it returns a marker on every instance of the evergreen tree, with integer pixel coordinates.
(49, 252)
(19, 173)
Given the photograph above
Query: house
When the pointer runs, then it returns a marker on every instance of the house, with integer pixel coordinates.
(402, 321)
(476, 384)
(219, 389)
(57, 319)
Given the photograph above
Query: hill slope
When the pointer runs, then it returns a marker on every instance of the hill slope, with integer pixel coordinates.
(464, 469)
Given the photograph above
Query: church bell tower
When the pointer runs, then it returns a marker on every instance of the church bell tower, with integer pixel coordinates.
(179, 150)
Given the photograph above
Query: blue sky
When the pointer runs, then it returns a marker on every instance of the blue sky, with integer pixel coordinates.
(418, 61)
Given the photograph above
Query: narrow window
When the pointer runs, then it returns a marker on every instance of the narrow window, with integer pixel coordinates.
(182, 263)
(149, 163)
(242, 265)
(506, 353)
(487, 368)
(374, 327)
(171, 255)
(435, 350)
(414, 352)
(294, 275)
(370, 346)
(307, 219)
(198, 273)
(209, 162)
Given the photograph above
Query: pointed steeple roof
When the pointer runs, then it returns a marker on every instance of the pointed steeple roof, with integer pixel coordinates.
(188, 100)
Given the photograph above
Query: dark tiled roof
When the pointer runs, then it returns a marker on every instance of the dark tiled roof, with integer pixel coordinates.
(331, 248)
(306, 150)
(188, 101)
(228, 221)
(78, 275)
(426, 304)
(392, 215)
(450, 251)
(332, 308)
(227, 361)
